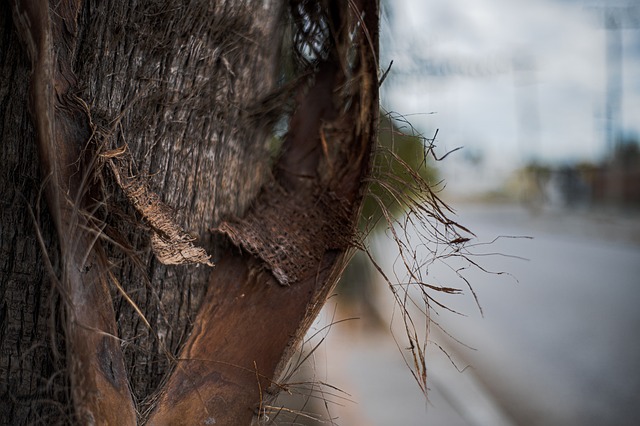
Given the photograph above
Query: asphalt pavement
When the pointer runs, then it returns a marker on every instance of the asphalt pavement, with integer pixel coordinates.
(558, 342)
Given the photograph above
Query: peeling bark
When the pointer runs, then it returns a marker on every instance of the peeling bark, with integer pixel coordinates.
(171, 244)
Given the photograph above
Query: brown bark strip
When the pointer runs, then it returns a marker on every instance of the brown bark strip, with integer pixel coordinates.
(96, 367)
(245, 318)
(247, 321)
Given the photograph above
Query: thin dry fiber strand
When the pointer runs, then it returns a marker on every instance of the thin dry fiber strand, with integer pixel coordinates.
(439, 238)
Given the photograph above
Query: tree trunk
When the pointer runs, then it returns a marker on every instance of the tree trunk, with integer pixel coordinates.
(112, 111)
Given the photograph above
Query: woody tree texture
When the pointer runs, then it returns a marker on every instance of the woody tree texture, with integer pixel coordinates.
(159, 265)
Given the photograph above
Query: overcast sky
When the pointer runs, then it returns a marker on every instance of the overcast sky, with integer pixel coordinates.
(510, 80)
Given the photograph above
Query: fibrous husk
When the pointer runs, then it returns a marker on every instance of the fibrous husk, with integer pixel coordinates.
(268, 233)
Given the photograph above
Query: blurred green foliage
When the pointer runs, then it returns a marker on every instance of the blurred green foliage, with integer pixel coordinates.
(400, 155)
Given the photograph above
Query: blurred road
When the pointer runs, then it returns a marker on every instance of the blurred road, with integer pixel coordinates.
(559, 344)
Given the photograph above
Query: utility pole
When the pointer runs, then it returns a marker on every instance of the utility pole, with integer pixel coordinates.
(614, 78)
(615, 19)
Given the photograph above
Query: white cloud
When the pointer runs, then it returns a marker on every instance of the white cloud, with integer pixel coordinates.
(513, 78)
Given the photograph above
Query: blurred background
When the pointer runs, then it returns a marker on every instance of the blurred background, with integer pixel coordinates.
(544, 98)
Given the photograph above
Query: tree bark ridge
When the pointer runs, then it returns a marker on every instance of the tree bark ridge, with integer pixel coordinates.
(99, 384)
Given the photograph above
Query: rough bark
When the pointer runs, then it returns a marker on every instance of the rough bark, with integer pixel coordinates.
(101, 100)
(170, 83)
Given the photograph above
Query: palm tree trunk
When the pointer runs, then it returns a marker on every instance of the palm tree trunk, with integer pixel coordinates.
(129, 133)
